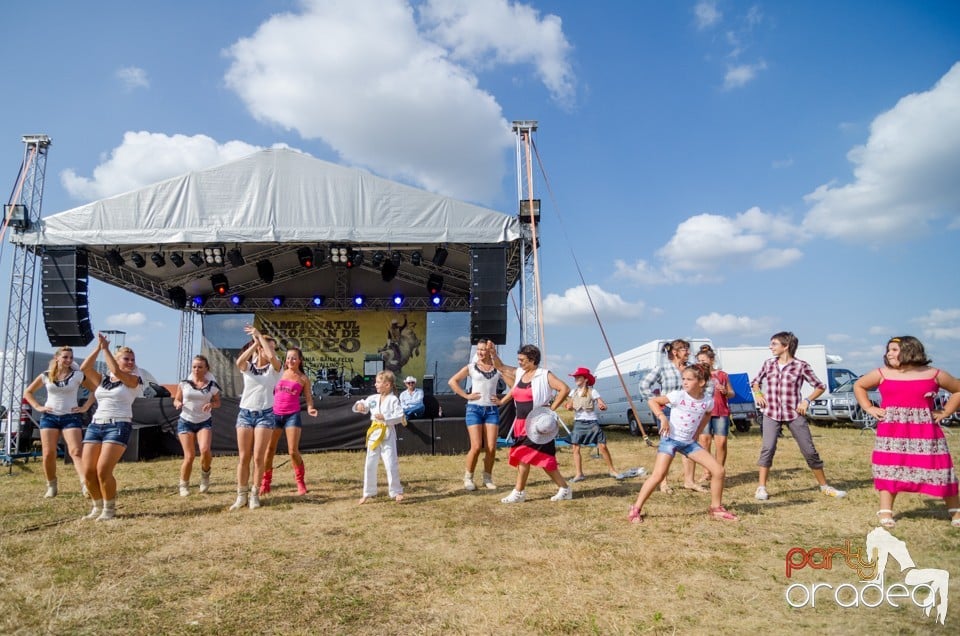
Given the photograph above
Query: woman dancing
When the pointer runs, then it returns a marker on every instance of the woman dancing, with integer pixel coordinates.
(292, 384)
(196, 397)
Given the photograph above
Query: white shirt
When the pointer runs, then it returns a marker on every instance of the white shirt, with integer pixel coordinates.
(195, 397)
(485, 386)
(115, 399)
(686, 414)
(62, 395)
(408, 399)
(583, 414)
(258, 385)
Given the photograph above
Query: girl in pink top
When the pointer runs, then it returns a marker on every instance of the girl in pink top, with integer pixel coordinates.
(292, 384)
(718, 428)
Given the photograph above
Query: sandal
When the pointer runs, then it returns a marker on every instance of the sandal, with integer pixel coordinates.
(886, 522)
(722, 514)
(696, 488)
(665, 488)
(954, 521)
(635, 516)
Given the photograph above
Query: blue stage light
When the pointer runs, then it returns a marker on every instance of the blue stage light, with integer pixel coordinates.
(317, 301)
(199, 300)
(236, 300)
(278, 301)
(436, 300)
(358, 300)
(398, 299)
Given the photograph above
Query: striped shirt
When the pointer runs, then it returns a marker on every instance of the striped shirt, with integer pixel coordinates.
(783, 386)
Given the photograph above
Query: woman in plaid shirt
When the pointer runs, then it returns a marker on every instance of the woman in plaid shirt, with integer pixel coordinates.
(784, 376)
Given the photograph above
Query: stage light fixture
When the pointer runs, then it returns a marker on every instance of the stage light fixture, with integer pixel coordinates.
(440, 256)
(197, 259)
(416, 257)
(434, 284)
(16, 215)
(220, 284)
(436, 300)
(178, 296)
(176, 258)
(359, 300)
(317, 301)
(305, 256)
(115, 258)
(158, 259)
(278, 301)
(237, 299)
(377, 259)
(265, 271)
(235, 257)
(354, 258)
(199, 300)
(397, 300)
(396, 258)
(338, 255)
(138, 259)
(213, 254)
(388, 271)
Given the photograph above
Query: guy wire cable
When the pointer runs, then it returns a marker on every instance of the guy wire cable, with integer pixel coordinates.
(593, 307)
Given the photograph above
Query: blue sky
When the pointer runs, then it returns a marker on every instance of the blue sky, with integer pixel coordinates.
(723, 169)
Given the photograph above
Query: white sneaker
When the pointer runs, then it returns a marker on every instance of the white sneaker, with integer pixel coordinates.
(184, 489)
(254, 501)
(94, 513)
(204, 481)
(761, 494)
(468, 481)
(107, 514)
(51, 490)
(488, 482)
(84, 490)
(241, 501)
(516, 496)
(563, 494)
(830, 491)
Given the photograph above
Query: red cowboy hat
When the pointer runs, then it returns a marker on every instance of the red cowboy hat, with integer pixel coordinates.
(585, 372)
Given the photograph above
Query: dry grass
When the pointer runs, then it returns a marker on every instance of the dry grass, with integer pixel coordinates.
(449, 561)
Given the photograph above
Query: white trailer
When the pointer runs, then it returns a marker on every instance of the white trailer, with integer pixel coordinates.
(646, 356)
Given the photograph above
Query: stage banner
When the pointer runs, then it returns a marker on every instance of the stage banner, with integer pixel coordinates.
(350, 346)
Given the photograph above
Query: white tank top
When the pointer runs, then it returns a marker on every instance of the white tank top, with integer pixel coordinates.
(195, 396)
(115, 399)
(258, 384)
(483, 383)
(62, 394)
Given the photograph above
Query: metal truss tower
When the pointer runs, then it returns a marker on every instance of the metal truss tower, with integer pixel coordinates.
(29, 194)
(531, 331)
(185, 347)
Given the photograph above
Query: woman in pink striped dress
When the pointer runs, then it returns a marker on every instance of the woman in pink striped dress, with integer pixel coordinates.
(911, 453)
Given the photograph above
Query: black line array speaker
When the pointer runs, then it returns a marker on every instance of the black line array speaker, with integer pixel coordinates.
(450, 436)
(488, 294)
(416, 438)
(66, 310)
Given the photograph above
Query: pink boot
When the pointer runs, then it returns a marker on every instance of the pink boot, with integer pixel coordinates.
(265, 483)
(298, 472)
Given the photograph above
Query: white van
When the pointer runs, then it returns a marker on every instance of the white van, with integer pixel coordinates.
(618, 411)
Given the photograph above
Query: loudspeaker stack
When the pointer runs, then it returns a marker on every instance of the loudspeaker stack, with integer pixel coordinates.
(66, 309)
(488, 298)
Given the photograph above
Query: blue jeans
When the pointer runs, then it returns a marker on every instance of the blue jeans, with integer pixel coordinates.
(718, 426)
(477, 415)
(670, 446)
(288, 421)
(110, 432)
(415, 411)
(183, 426)
(61, 422)
(256, 419)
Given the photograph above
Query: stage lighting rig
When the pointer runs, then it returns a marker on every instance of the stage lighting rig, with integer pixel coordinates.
(220, 284)
(235, 257)
(158, 259)
(115, 258)
(138, 259)
(317, 301)
(176, 258)
(305, 256)
(213, 254)
(278, 301)
(434, 284)
(178, 296)
(197, 259)
(416, 257)
(440, 256)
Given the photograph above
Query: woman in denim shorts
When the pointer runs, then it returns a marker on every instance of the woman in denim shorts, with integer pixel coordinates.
(196, 397)
(60, 413)
(483, 414)
(260, 368)
(107, 436)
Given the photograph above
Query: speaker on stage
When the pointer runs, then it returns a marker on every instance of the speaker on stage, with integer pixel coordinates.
(66, 310)
(450, 436)
(427, 386)
(488, 294)
(416, 438)
(145, 443)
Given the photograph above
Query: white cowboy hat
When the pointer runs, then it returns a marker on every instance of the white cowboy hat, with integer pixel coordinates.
(542, 425)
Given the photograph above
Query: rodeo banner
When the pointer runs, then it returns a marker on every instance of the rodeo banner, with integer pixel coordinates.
(342, 350)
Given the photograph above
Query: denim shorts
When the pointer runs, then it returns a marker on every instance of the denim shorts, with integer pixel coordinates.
(256, 419)
(719, 425)
(61, 422)
(114, 432)
(671, 447)
(183, 426)
(288, 421)
(477, 415)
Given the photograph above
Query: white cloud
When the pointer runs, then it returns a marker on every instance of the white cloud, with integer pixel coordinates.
(706, 14)
(133, 77)
(879, 330)
(136, 319)
(496, 31)
(940, 324)
(778, 164)
(739, 75)
(573, 307)
(643, 273)
(905, 175)
(730, 324)
(838, 337)
(144, 158)
(366, 79)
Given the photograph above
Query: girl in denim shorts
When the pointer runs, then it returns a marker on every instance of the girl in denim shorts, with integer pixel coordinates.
(196, 397)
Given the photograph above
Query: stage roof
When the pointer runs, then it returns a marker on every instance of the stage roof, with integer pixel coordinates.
(268, 205)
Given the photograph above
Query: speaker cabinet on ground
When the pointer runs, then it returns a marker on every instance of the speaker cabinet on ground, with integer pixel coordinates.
(416, 438)
(145, 443)
(450, 436)
(66, 309)
(488, 294)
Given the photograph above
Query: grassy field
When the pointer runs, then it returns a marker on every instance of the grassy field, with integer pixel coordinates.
(456, 562)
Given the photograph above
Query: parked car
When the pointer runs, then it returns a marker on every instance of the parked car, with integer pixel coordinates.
(841, 406)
